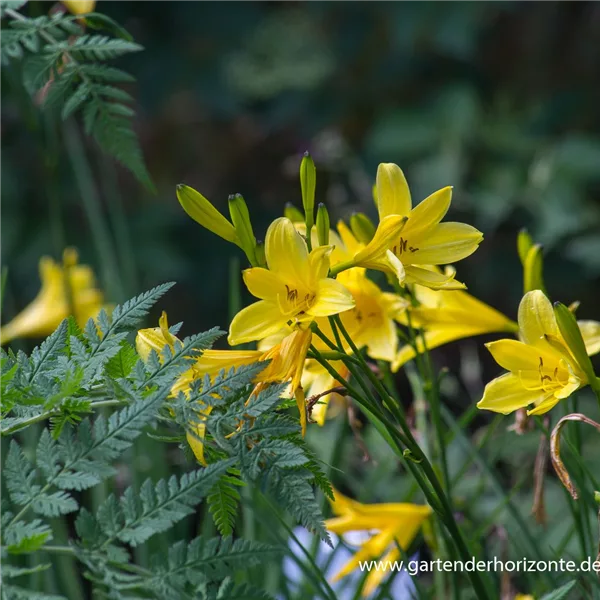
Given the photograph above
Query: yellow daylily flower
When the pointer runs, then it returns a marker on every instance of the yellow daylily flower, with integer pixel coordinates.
(371, 322)
(396, 523)
(524, 597)
(316, 380)
(447, 316)
(79, 7)
(422, 241)
(294, 289)
(286, 363)
(542, 370)
(156, 338)
(64, 287)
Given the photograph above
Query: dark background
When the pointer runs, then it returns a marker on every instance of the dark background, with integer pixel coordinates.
(499, 100)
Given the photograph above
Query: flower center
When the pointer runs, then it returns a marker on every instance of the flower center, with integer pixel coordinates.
(402, 247)
(294, 302)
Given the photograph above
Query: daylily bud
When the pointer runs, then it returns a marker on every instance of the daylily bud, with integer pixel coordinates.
(524, 244)
(243, 228)
(308, 183)
(322, 225)
(533, 270)
(362, 227)
(293, 214)
(597, 497)
(204, 213)
(259, 252)
(567, 323)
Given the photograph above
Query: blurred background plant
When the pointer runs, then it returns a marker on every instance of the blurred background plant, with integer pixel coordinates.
(498, 99)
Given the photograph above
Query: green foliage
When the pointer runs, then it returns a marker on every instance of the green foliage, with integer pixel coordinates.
(69, 382)
(62, 66)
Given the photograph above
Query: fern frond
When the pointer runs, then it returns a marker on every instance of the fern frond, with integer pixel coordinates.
(203, 561)
(22, 537)
(166, 503)
(223, 500)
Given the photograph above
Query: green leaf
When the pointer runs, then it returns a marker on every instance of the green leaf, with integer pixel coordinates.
(561, 592)
(121, 364)
(166, 503)
(103, 22)
(23, 537)
(223, 500)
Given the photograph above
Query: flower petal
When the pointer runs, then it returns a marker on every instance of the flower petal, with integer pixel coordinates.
(506, 394)
(388, 229)
(263, 284)
(286, 251)
(433, 339)
(318, 261)
(516, 356)
(429, 212)
(536, 319)
(213, 361)
(590, 331)
(255, 322)
(446, 243)
(195, 437)
(432, 279)
(381, 341)
(332, 298)
(395, 266)
(393, 194)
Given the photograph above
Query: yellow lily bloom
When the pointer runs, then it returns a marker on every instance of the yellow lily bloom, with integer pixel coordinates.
(156, 338)
(79, 7)
(423, 240)
(447, 316)
(542, 370)
(397, 523)
(286, 364)
(524, 597)
(295, 288)
(64, 287)
(371, 322)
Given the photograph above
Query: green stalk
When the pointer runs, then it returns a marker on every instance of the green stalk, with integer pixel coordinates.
(415, 458)
(118, 222)
(93, 210)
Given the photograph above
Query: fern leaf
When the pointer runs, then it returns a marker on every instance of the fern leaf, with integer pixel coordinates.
(19, 476)
(122, 363)
(168, 502)
(223, 500)
(22, 537)
(294, 492)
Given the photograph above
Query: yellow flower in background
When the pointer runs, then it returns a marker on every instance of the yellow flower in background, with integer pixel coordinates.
(371, 323)
(422, 241)
(64, 287)
(542, 370)
(294, 289)
(590, 331)
(395, 525)
(447, 316)
(524, 597)
(79, 7)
